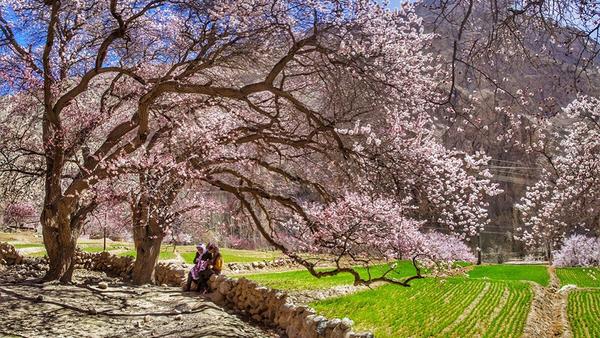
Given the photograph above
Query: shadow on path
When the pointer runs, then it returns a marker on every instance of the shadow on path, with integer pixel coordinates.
(84, 310)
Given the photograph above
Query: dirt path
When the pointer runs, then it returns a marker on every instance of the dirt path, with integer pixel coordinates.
(560, 306)
(25, 251)
(548, 314)
(308, 296)
(116, 252)
(85, 310)
(178, 259)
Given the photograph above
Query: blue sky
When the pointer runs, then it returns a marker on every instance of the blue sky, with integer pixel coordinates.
(395, 3)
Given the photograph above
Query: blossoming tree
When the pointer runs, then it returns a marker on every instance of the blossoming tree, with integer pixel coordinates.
(578, 250)
(319, 111)
(15, 214)
(566, 199)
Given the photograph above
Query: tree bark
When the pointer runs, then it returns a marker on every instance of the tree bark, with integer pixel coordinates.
(549, 251)
(147, 237)
(60, 240)
(148, 250)
(149, 225)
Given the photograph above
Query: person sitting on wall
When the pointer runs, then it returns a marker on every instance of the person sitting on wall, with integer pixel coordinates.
(215, 266)
(201, 262)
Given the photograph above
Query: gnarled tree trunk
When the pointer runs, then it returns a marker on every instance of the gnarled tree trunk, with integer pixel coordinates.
(148, 250)
(147, 237)
(60, 246)
(60, 241)
(149, 223)
(60, 228)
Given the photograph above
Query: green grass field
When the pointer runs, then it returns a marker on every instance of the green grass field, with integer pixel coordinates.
(303, 280)
(166, 253)
(187, 252)
(493, 301)
(91, 248)
(505, 272)
(582, 277)
(583, 310)
(27, 245)
(232, 255)
(454, 307)
(37, 254)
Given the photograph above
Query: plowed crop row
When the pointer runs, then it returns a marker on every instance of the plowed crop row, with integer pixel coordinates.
(449, 308)
(584, 313)
(502, 312)
(582, 277)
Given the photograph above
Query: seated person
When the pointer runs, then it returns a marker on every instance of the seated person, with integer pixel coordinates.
(201, 262)
(215, 265)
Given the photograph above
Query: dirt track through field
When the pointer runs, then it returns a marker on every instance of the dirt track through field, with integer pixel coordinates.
(548, 314)
(25, 251)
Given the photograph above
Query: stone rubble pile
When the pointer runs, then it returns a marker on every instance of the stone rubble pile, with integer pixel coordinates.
(272, 307)
(171, 274)
(103, 261)
(19, 272)
(263, 265)
(9, 255)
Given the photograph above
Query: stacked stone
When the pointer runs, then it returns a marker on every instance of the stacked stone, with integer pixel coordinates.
(277, 263)
(172, 274)
(9, 255)
(103, 261)
(273, 308)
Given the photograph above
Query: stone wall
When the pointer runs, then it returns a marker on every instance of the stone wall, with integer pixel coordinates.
(172, 274)
(103, 261)
(265, 305)
(9, 255)
(273, 308)
(279, 263)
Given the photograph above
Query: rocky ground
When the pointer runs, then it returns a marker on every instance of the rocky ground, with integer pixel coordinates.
(548, 314)
(99, 306)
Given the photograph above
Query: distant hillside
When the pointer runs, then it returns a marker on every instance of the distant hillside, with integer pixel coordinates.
(485, 81)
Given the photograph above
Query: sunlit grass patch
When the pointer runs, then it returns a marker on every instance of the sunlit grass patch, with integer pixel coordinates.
(93, 249)
(129, 253)
(27, 245)
(432, 307)
(232, 255)
(583, 310)
(535, 273)
(582, 277)
(166, 253)
(304, 280)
